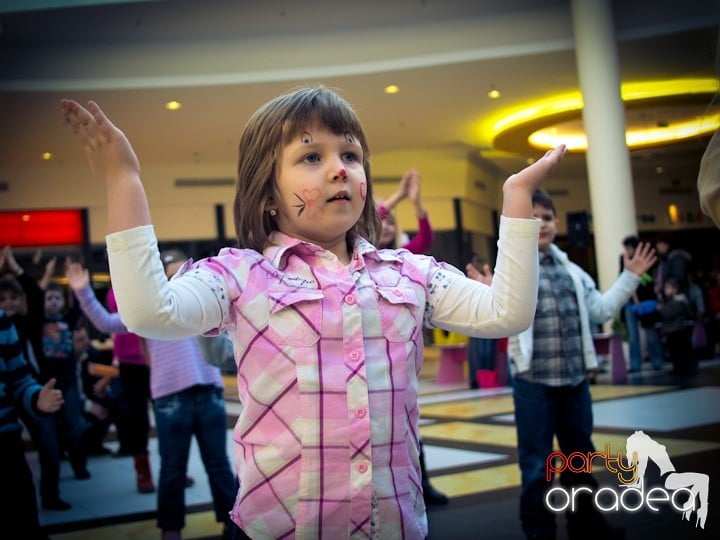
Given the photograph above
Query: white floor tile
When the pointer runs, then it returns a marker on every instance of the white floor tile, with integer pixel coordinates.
(661, 412)
(666, 411)
(112, 491)
(438, 457)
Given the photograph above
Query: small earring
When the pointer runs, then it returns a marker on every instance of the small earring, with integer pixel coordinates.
(273, 212)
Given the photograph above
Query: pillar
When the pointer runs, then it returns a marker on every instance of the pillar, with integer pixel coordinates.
(612, 199)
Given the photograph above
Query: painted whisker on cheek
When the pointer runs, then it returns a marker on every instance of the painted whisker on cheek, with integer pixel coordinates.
(363, 191)
(307, 202)
(300, 206)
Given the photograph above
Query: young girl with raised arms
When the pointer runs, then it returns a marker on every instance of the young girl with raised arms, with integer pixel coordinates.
(327, 329)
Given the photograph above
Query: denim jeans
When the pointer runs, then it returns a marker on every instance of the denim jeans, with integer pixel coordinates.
(71, 427)
(654, 345)
(542, 412)
(199, 411)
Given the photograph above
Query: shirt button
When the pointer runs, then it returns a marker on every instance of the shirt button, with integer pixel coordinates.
(362, 467)
(360, 412)
(354, 356)
(350, 299)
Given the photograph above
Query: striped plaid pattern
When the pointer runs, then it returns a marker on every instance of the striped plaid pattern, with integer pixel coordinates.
(557, 351)
(328, 358)
(328, 361)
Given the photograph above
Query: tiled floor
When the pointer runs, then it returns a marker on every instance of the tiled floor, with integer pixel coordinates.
(470, 450)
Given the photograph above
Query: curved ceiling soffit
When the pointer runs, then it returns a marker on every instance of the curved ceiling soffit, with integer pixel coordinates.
(511, 130)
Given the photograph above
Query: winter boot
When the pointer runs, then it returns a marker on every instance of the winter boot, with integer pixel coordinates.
(144, 476)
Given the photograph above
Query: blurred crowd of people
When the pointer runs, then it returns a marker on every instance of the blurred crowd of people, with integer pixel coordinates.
(73, 341)
(674, 314)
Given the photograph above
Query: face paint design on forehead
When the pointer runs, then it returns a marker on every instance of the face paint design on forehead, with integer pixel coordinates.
(305, 137)
(349, 138)
(307, 202)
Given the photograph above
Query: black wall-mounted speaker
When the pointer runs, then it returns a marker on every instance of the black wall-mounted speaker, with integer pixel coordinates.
(578, 229)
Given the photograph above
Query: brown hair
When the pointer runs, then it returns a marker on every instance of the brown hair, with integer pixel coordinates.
(542, 198)
(271, 128)
(10, 284)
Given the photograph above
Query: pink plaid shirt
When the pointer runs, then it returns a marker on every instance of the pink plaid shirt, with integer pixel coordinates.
(328, 360)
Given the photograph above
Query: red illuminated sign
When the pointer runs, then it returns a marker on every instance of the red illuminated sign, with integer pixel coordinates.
(35, 228)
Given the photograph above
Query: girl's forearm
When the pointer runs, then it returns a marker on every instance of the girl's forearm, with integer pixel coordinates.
(127, 202)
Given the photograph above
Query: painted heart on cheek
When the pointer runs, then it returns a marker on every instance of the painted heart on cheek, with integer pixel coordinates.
(310, 195)
(307, 203)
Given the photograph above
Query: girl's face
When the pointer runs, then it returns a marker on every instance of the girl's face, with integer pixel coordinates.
(321, 188)
(54, 302)
(11, 303)
(81, 341)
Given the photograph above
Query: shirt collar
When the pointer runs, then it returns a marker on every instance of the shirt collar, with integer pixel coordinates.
(547, 259)
(280, 246)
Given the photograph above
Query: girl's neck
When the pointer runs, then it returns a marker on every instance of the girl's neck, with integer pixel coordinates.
(340, 249)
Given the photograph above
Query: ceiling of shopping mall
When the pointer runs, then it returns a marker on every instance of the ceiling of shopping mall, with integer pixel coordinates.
(223, 58)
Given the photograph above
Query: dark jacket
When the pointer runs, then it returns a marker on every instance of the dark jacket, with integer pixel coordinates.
(677, 265)
(675, 313)
(30, 328)
(19, 390)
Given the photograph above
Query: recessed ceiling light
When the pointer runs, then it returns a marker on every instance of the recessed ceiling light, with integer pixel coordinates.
(173, 105)
(47, 155)
(392, 89)
(493, 93)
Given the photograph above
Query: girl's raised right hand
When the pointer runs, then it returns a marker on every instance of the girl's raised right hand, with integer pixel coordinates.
(110, 154)
(113, 160)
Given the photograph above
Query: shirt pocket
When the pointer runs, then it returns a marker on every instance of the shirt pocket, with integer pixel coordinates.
(295, 316)
(399, 313)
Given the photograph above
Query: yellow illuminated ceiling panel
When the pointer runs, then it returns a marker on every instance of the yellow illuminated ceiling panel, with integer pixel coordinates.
(544, 123)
